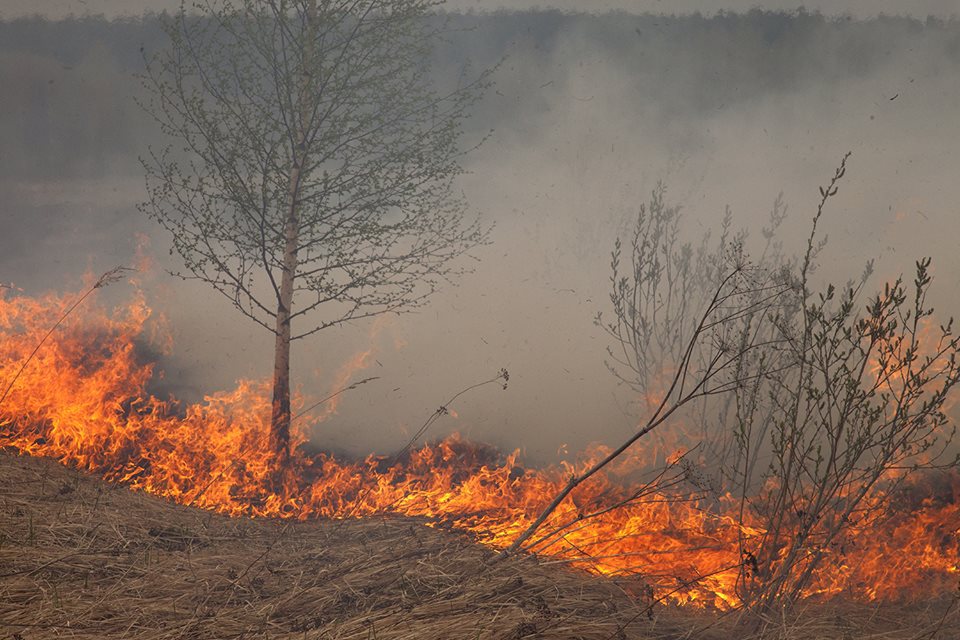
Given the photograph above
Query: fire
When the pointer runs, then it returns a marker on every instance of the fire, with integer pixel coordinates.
(345, 373)
(82, 399)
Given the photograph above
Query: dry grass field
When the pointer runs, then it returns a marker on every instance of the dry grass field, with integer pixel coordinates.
(83, 559)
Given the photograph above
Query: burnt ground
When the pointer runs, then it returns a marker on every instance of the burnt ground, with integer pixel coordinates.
(83, 559)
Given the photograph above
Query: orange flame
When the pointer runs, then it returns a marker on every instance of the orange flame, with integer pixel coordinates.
(82, 400)
(345, 373)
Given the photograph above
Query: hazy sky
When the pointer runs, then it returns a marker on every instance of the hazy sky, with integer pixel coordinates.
(861, 8)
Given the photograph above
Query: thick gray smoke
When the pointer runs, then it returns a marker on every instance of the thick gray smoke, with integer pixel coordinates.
(588, 113)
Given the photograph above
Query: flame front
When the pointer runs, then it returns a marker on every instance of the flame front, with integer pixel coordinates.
(81, 399)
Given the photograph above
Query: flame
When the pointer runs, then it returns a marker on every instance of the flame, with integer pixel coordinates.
(358, 362)
(82, 399)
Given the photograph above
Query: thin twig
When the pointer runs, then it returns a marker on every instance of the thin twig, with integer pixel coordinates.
(502, 375)
(332, 396)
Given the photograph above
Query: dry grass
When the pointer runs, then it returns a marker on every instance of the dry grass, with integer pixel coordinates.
(82, 559)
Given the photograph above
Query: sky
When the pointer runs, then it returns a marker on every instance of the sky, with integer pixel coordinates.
(858, 8)
(584, 128)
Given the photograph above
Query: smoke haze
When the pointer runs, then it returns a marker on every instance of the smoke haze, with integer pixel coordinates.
(857, 8)
(588, 114)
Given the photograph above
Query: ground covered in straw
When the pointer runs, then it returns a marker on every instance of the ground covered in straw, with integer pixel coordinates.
(83, 559)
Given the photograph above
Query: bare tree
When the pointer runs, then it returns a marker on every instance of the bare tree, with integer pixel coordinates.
(313, 175)
(848, 404)
(821, 402)
(815, 405)
(671, 301)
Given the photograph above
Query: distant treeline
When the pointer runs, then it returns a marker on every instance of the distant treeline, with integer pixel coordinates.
(68, 86)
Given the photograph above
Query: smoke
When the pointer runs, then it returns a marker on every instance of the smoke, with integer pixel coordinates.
(857, 8)
(588, 113)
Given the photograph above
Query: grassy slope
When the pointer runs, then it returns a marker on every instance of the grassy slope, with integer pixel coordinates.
(82, 559)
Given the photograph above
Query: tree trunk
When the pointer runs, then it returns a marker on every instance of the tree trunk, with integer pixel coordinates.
(280, 418)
